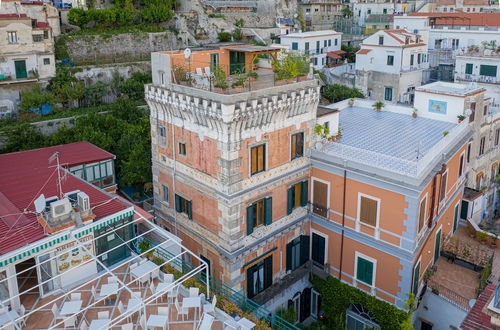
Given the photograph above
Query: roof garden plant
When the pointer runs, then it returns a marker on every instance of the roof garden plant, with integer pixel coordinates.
(220, 77)
(378, 106)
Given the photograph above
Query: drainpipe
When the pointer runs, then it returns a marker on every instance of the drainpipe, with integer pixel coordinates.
(173, 175)
(343, 224)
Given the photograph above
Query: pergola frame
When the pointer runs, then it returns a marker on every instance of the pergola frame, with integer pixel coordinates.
(108, 271)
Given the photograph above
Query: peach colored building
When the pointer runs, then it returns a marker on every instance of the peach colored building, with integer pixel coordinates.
(230, 166)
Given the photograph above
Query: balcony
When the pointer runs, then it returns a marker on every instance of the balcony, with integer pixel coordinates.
(410, 68)
(477, 78)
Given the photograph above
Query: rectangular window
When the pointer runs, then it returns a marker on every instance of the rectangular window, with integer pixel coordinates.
(46, 61)
(258, 159)
(381, 40)
(297, 252)
(481, 146)
(37, 38)
(164, 196)
(182, 205)
(320, 198)
(325, 43)
(442, 189)
(468, 153)
(468, 68)
(368, 210)
(364, 270)
(318, 249)
(45, 34)
(488, 70)
(259, 214)
(437, 246)
(318, 45)
(497, 136)
(390, 60)
(12, 37)
(422, 214)
(485, 110)
(329, 42)
(411, 59)
(259, 277)
(315, 61)
(473, 114)
(419, 56)
(306, 46)
(295, 45)
(388, 94)
(297, 196)
(336, 42)
(182, 149)
(162, 136)
(416, 278)
(297, 145)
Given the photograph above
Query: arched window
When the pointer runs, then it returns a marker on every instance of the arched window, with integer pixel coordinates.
(358, 317)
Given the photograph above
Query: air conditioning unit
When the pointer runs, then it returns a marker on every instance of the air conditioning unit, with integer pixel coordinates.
(60, 208)
(83, 201)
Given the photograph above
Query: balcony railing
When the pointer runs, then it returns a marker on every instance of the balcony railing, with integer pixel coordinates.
(478, 78)
(240, 300)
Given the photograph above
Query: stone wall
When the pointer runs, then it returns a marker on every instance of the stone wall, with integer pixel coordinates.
(118, 48)
(91, 74)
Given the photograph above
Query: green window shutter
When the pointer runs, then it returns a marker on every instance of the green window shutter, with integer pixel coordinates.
(365, 271)
(304, 248)
(289, 256)
(250, 293)
(189, 210)
(455, 219)
(268, 205)
(250, 216)
(289, 208)
(304, 194)
(178, 207)
(416, 275)
(468, 68)
(488, 70)
(437, 246)
(268, 272)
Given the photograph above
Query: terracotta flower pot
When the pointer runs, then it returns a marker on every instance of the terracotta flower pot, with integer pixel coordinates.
(414, 115)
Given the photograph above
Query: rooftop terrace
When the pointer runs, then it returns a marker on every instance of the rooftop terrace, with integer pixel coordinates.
(449, 88)
(391, 141)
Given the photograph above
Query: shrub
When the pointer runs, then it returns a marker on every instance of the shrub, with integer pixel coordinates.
(338, 296)
(156, 13)
(95, 92)
(224, 36)
(132, 88)
(237, 34)
(35, 98)
(337, 93)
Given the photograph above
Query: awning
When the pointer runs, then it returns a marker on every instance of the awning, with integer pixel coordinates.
(334, 56)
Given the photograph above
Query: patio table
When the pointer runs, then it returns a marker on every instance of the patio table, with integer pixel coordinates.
(108, 290)
(157, 321)
(71, 307)
(133, 303)
(192, 302)
(7, 317)
(246, 324)
(142, 270)
(99, 324)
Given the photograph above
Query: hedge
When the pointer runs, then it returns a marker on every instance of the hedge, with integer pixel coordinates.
(337, 297)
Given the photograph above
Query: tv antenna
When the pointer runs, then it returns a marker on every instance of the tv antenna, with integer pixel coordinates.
(55, 157)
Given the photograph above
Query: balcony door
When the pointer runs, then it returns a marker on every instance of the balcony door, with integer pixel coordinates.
(236, 62)
(21, 69)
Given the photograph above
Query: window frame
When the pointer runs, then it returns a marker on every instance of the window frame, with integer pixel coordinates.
(425, 198)
(182, 201)
(163, 199)
(251, 147)
(390, 63)
(443, 198)
(11, 40)
(325, 237)
(461, 164)
(181, 152)
(385, 93)
(358, 220)
(482, 144)
(46, 61)
(497, 136)
(374, 269)
(292, 157)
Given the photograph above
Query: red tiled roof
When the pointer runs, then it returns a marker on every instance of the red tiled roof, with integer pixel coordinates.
(363, 51)
(333, 55)
(138, 210)
(474, 19)
(476, 319)
(340, 52)
(13, 16)
(42, 24)
(27, 174)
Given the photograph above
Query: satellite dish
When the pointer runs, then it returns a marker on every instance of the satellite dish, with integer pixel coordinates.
(187, 53)
(40, 204)
(468, 112)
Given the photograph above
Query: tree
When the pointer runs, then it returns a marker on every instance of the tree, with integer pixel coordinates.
(65, 86)
(336, 93)
(95, 92)
(224, 36)
(350, 52)
(34, 98)
(346, 12)
(22, 137)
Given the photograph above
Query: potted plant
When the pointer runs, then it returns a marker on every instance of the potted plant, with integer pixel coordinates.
(220, 79)
(351, 102)
(482, 237)
(239, 83)
(414, 113)
(460, 118)
(181, 75)
(378, 106)
(253, 76)
(445, 133)
(427, 275)
(322, 131)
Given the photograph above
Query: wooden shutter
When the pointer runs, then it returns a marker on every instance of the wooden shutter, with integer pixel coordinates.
(268, 272)
(260, 158)
(442, 192)
(368, 211)
(416, 275)
(289, 256)
(421, 216)
(189, 210)
(253, 156)
(289, 207)
(455, 219)
(320, 198)
(250, 292)
(294, 146)
(250, 219)
(304, 248)
(437, 246)
(268, 216)
(178, 206)
(304, 193)
(364, 271)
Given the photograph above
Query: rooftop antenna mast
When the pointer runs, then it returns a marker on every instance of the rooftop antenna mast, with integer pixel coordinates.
(55, 156)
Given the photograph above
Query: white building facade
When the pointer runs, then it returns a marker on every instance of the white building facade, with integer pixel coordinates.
(315, 44)
(389, 65)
